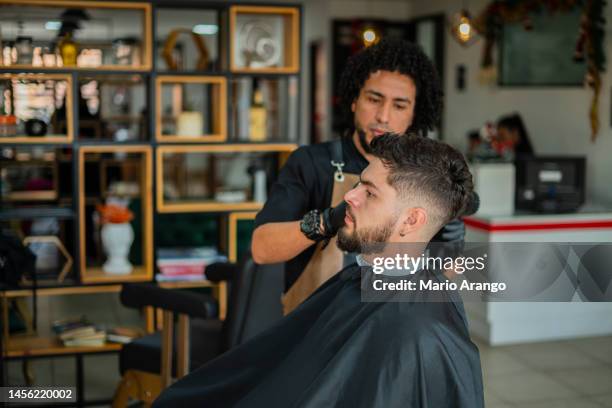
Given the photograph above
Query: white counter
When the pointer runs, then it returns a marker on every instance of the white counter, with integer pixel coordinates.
(514, 322)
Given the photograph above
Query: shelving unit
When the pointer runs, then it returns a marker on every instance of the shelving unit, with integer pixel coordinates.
(92, 154)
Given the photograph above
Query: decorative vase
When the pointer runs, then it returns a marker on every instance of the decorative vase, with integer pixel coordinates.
(117, 240)
(68, 51)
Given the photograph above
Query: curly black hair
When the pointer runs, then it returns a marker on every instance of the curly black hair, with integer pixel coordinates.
(393, 55)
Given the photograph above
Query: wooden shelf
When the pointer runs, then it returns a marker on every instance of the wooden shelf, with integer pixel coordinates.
(233, 232)
(57, 139)
(22, 346)
(228, 148)
(204, 283)
(31, 196)
(61, 291)
(103, 68)
(25, 213)
(211, 206)
(97, 275)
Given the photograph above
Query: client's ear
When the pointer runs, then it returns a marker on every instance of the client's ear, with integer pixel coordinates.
(413, 219)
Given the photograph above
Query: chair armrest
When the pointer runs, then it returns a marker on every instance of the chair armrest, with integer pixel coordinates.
(139, 295)
(221, 271)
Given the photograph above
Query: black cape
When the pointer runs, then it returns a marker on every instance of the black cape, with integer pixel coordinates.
(336, 351)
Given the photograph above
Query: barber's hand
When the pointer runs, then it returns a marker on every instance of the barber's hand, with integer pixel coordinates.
(449, 240)
(451, 232)
(333, 219)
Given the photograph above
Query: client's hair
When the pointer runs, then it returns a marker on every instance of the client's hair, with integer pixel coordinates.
(426, 169)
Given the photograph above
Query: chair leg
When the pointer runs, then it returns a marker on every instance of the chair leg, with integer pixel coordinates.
(127, 388)
(137, 385)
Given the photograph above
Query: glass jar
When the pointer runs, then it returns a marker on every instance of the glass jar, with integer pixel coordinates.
(23, 45)
(125, 51)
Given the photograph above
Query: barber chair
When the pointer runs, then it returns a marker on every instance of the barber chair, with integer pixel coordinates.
(149, 364)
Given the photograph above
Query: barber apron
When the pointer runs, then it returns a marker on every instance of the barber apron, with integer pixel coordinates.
(327, 260)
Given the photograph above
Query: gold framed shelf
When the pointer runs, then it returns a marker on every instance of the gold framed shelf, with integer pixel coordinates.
(234, 218)
(52, 138)
(140, 61)
(217, 122)
(139, 273)
(97, 275)
(251, 24)
(208, 205)
(21, 345)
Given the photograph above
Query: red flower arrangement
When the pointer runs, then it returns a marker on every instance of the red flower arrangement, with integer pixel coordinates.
(114, 214)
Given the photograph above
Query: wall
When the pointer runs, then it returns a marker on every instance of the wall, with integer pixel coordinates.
(557, 118)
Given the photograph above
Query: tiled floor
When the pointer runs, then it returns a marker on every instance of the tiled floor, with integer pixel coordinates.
(574, 373)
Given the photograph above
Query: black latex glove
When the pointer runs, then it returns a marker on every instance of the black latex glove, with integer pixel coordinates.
(333, 219)
(448, 242)
(451, 232)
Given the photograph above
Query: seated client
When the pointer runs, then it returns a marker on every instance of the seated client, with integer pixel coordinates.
(339, 350)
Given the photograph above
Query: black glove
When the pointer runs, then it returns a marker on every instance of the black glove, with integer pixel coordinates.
(451, 232)
(449, 241)
(333, 219)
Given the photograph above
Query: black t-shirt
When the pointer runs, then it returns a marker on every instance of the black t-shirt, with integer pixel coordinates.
(305, 183)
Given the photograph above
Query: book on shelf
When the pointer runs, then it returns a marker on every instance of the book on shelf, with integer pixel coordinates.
(78, 332)
(160, 277)
(177, 264)
(72, 323)
(98, 338)
(123, 335)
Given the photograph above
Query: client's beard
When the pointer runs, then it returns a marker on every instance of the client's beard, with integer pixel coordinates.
(367, 241)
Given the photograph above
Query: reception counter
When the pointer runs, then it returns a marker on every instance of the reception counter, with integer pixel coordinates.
(514, 322)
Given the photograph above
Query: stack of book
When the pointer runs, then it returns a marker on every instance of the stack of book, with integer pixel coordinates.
(123, 335)
(185, 264)
(79, 332)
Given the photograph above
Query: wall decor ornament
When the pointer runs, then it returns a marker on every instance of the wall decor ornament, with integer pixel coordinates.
(36, 244)
(203, 58)
(258, 45)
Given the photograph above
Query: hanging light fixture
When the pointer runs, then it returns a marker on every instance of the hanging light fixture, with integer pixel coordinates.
(370, 36)
(462, 28)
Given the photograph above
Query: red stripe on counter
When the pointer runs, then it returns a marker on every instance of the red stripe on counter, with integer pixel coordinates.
(536, 227)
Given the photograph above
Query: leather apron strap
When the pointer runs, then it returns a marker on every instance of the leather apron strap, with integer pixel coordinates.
(325, 262)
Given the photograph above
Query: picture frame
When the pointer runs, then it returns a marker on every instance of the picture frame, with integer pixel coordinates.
(542, 56)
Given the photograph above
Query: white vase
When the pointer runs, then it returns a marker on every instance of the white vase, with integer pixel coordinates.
(117, 240)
